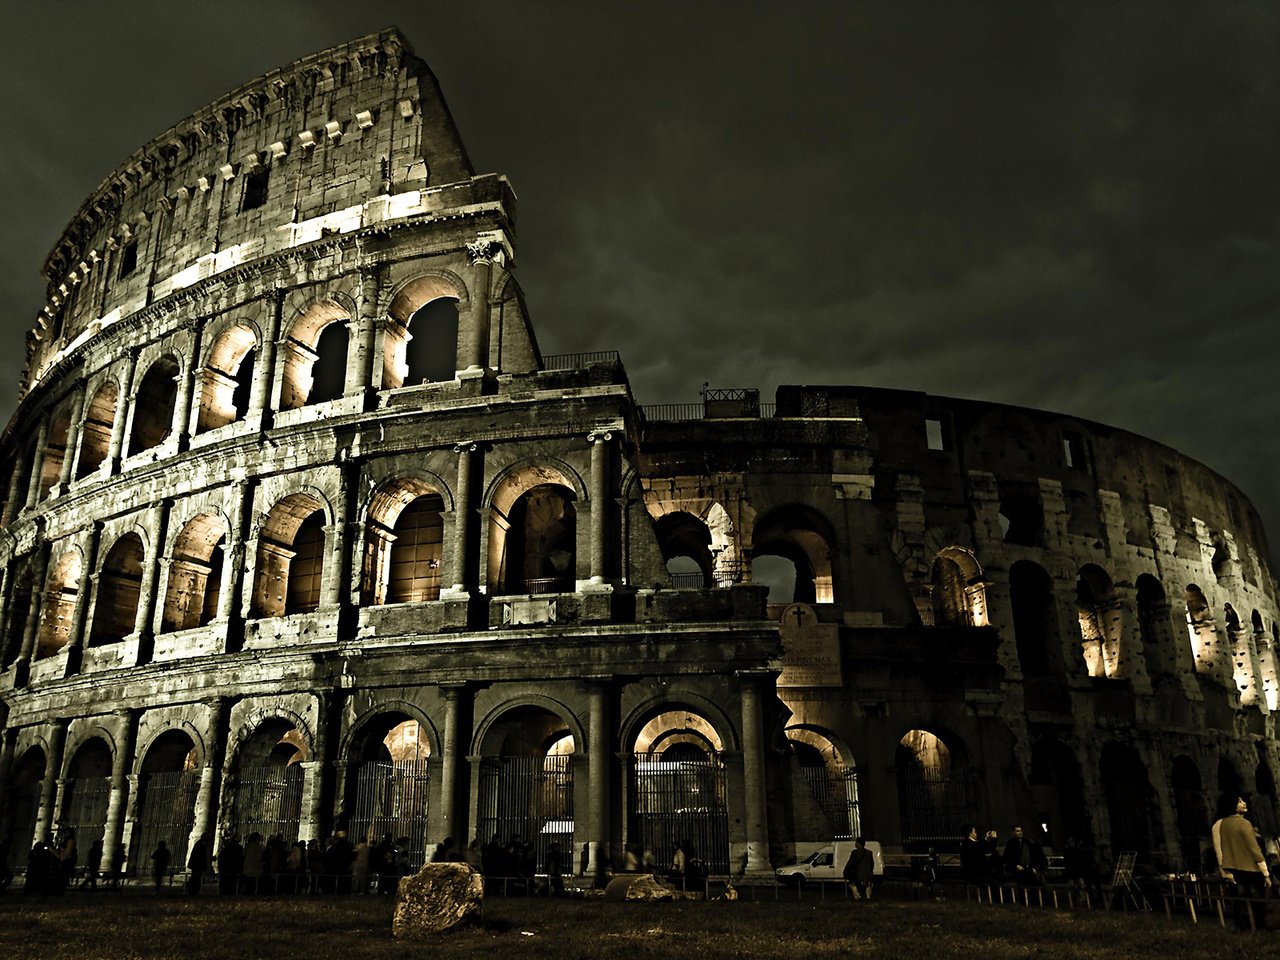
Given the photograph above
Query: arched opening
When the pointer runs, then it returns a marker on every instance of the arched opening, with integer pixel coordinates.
(404, 544)
(195, 574)
(153, 405)
(934, 792)
(1098, 614)
(959, 595)
(526, 787)
(95, 430)
(1200, 627)
(799, 535)
(22, 805)
(19, 610)
(388, 779)
(291, 548)
(686, 547)
(168, 785)
(115, 611)
(315, 357)
(432, 342)
(267, 799)
(420, 335)
(779, 574)
(1264, 794)
(227, 379)
(1129, 800)
(679, 794)
(1057, 790)
(1021, 514)
(1230, 783)
(85, 794)
(1190, 812)
(61, 589)
(832, 782)
(1035, 620)
(55, 449)
(539, 549)
(1154, 627)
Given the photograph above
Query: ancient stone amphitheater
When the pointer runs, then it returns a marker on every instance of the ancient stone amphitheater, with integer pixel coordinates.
(302, 532)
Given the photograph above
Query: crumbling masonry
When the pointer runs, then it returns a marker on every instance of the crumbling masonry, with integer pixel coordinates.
(301, 532)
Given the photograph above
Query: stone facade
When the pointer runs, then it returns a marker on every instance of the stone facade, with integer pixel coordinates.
(302, 532)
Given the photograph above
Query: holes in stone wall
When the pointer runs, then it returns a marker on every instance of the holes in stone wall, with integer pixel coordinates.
(255, 188)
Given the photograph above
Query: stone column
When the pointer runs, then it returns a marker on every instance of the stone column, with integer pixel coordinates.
(182, 413)
(206, 812)
(8, 743)
(264, 364)
(753, 777)
(336, 538)
(450, 759)
(73, 436)
(241, 507)
(598, 842)
(314, 770)
(458, 560)
(157, 521)
(12, 506)
(474, 349)
(52, 778)
(37, 463)
(116, 447)
(76, 639)
(599, 494)
(362, 333)
(121, 763)
(27, 652)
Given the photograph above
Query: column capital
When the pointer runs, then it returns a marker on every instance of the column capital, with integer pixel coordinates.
(600, 436)
(466, 446)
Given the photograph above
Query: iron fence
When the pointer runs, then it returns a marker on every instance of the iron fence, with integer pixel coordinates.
(84, 810)
(529, 799)
(836, 792)
(681, 802)
(167, 812)
(391, 798)
(576, 361)
(269, 801)
(934, 804)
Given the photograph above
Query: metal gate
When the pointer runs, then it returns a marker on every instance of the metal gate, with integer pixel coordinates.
(269, 801)
(391, 798)
(84, 810)
(678, 801)
(167, 812)
(530, 798)
(934, 805)
(23, 804)
(835, 789)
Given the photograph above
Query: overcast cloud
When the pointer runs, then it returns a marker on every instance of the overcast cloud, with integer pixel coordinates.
(1066, 206)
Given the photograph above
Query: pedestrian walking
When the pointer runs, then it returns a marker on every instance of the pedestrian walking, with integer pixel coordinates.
(160, 857)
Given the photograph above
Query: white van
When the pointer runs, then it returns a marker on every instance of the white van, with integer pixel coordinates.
(827, 863)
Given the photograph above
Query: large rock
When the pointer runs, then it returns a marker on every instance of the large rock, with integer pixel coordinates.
(438, 897)
(637, 886)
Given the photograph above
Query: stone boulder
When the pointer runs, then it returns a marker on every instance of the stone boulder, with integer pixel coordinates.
(437, 898)
(637, 886)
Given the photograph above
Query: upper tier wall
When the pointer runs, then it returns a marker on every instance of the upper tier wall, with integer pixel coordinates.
(261, 169)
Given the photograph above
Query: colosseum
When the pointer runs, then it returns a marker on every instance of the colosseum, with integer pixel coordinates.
(302, 533)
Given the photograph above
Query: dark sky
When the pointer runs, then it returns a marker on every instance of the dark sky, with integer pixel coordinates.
(1074, 207)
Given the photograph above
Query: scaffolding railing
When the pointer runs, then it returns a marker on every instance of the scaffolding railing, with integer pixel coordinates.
(576, 361)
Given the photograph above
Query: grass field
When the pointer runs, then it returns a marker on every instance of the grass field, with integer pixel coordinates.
(137, 925)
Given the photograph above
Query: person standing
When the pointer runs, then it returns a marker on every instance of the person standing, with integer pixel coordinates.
(973, 858)
(859, 869)
(91, 865)
(160, 857)
(197, 864)
(1240, 859)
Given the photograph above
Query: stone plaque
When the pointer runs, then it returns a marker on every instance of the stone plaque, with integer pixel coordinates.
(810, 650)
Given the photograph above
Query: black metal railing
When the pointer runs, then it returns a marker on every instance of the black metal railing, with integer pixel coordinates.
(576, 361)
(668, 412)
